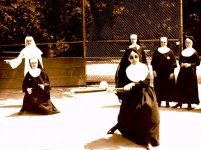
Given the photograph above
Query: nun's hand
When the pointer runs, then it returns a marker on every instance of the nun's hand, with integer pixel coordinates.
(129, 86)
(42, 86)
(155, 74)
(171, 76)
(29, 90)
(7, 61)
(186, 65)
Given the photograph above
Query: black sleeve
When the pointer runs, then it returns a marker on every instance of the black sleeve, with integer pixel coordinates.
(25, 83)
(46, 80)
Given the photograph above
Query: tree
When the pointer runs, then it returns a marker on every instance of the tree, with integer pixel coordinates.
(102, 12)
(192, 21)
(149, 19)
(21, 18)
(48, 21)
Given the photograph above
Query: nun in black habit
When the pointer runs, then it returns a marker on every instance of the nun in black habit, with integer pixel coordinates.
(36, 88)
(138, 118)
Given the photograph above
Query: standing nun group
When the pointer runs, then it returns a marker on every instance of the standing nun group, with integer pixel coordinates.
(184, 89)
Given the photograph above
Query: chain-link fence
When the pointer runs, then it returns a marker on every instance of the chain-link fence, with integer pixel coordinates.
(114, 21)
(109, 24)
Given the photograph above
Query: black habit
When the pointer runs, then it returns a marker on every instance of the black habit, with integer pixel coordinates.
(39, 100)
(138, 119)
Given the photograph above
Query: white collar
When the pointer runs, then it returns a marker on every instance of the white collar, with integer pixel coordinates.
(35, 72)
(137, 72)
(134, 45)
(163, 50)
(188, 52)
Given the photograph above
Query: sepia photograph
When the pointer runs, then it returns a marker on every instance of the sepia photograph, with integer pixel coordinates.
(100, 74)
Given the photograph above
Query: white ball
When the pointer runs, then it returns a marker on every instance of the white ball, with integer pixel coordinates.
(103, 85)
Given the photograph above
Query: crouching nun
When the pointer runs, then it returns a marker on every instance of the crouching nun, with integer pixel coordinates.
(138, 118)
(37, 91)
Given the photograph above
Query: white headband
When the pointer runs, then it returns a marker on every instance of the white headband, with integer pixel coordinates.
(133, 36)
(163, 39)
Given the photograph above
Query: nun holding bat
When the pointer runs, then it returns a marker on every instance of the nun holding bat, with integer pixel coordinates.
(36, 88)
(138, 118)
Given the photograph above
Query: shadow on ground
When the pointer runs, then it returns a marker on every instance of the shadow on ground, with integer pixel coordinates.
(115, 142)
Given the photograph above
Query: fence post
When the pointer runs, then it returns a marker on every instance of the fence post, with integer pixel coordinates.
(181, 25)
(84, 28)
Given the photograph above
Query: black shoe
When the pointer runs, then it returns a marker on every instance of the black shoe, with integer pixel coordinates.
(189, 107)
(178, 105)
(149, 147)
(21, 113)
(112, 130)
(154, 142)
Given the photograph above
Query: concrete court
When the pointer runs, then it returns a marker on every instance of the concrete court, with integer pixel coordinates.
(83, 124)
(84, 121)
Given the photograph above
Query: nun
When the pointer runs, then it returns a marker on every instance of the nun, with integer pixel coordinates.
(30, 50)
(187, 83)
(163, 64)
(36, 88)
(138, 119)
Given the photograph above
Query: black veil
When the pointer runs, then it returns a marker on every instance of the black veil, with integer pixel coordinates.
(120, 76)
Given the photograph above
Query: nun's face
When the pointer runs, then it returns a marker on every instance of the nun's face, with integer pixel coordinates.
(133, 39)
(34, 63)
(28, 42)
(133, 57)
(163, 43)
(188, 43)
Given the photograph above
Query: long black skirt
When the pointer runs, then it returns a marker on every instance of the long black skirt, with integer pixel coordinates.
(140, 123)
(187, 86)
(39, 102)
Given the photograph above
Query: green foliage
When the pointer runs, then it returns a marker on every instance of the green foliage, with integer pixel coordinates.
(21, 18)
(115, 19)
(46, 21)
(192, 21)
